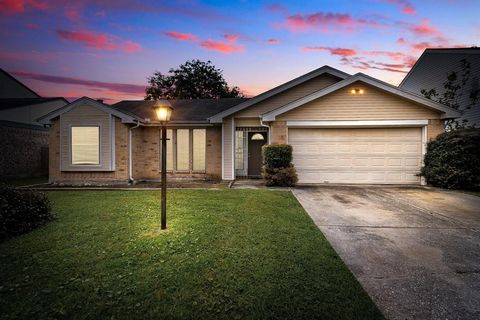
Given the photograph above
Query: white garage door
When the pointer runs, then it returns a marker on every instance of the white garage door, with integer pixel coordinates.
(379, 155)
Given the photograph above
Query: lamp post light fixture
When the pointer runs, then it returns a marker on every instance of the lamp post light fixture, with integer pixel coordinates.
(163, 109)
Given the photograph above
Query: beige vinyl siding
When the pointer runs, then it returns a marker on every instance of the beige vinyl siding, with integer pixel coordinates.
(374, 104)
(247, 122)
(83, 116)
(228, 149)
(289, 95)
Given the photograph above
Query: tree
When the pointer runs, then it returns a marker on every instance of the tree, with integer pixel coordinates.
(194, 79)
(452, 94)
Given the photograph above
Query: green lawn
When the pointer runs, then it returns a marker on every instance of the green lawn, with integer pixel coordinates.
(228, 254)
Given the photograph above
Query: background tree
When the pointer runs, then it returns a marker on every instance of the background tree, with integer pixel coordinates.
(453, 92)
(194, 79)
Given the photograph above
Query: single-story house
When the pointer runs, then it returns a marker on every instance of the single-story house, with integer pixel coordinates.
(431, 70)
(343, 128)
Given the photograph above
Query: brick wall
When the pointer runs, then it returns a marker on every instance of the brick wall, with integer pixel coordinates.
(146, 155)
(214, 152)
(278, 133)
(434, 128)
(24, 150)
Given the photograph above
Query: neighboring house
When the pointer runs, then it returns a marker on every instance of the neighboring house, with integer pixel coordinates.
(430, 72)
(24, 141)
(343, 129)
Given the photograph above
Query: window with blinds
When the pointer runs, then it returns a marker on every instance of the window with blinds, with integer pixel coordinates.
(199, 149)
(183, 149)
(85, 145)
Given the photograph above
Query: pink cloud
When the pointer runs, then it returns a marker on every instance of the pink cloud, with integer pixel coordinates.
(99, 41)
(223, 47)
(181, 36)
(277, 8)
(91, 84)
(401, 41)
(395, 55)
(406, 6)
(424, 28)
(73, 14)
(19, 6)
(273, 41)
(231, 37)
(344, 52)
(327, 21)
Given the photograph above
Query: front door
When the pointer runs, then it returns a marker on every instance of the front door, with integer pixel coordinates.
(255, 142)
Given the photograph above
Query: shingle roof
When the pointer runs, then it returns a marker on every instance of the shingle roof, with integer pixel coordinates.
(22, 102)
(196, 110)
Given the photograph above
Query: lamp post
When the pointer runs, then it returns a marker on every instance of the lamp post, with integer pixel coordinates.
(163, 110)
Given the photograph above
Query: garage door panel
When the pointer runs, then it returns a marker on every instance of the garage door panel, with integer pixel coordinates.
(380, 155)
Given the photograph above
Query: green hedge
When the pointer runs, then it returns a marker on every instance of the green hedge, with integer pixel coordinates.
(452, 160)
(277, 167)
(22, 210)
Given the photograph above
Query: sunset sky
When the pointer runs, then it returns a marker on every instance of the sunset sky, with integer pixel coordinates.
(106, 49)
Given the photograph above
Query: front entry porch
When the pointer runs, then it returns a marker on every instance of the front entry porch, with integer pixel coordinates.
(248, 151)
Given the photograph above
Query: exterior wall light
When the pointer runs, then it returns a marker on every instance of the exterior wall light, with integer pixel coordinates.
(357, 91)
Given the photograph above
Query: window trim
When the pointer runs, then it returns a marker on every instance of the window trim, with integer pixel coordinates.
(100, 145)
(190, 151)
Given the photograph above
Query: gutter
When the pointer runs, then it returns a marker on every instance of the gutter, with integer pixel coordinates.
(269, 130)
(130, 162)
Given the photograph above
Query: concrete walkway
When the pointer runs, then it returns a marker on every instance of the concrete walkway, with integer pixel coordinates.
(415, 250)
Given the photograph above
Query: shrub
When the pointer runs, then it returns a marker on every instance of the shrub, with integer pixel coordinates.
(452, 160)
(277, 155)
(277, 167)
(22, 210)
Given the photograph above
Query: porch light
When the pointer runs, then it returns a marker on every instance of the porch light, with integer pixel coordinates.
(163, 109)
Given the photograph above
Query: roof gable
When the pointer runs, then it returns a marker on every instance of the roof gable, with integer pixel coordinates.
(126, 118)
(430, 59)
(218, 118)
(10, 87)
(447, 112)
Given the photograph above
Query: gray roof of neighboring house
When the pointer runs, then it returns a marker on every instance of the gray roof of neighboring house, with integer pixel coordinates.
(23, 102)
(14, 80)
(184, 111)
(431, 69)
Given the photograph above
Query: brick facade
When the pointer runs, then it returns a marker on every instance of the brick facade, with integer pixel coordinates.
(434, 128)
(278, 133)
(24, 150)
(145, 157)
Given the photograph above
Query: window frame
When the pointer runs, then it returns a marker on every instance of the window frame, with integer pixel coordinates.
(190, 169)
(85, 165)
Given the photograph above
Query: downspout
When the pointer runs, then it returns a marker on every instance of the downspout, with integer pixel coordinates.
(266, 126)
(130, 162)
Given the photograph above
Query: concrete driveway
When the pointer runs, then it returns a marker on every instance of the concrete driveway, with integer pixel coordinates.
(415, 250)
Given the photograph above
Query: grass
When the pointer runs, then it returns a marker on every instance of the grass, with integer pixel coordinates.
(26, 181)
(228, 254)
